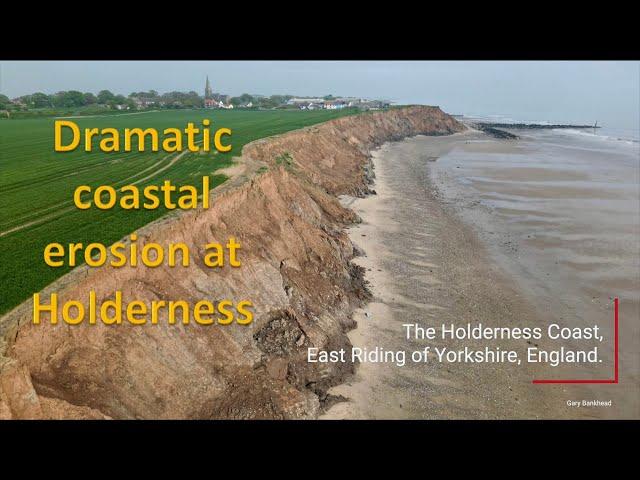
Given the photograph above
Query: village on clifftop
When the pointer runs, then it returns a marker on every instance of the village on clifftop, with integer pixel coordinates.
(86, 103)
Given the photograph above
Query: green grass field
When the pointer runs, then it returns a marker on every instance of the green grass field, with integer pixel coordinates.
(37, 183)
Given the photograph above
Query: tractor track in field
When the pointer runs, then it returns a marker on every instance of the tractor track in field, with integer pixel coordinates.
(62, 211)
(68, 202)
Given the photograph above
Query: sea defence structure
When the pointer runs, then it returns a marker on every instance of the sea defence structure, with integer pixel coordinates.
(496, 130)
(282, 205)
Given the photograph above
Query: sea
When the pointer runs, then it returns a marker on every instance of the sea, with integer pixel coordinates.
(559, 210)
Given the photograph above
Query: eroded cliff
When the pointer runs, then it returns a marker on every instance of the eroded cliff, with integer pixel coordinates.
(296, 268)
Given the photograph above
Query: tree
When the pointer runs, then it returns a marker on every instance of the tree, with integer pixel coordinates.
(26, 99)
(119, 100)
(278, 100)
(39, 100)
(151, 94)
(181, 99)
(4, 101)
(90, 98)
(105, 96)
(72, 98)
(56, 99)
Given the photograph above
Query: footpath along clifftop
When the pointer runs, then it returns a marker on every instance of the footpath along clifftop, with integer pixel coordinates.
(282, 205)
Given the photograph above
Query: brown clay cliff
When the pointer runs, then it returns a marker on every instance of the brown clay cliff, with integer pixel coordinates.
(296, 268)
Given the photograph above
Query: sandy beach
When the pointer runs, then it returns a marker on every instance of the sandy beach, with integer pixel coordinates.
(426, 266)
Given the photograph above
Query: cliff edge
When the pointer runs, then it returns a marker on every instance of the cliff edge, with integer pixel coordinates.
(296, 268)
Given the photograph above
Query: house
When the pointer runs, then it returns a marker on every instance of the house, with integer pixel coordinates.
(304, 101)
(334, 105)
(143, 102)
(348, 101)
(373, 104)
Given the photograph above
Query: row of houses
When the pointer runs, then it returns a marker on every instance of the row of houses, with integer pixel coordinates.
(310, 103)
(217, 103)
(144, 102)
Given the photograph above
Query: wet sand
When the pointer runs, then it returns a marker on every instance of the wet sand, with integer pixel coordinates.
(426, 266)
(560, 213)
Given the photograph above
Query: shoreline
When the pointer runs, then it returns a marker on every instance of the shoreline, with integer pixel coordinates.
(424, 265)
(543, 207)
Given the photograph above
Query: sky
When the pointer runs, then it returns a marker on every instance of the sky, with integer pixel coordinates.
(555, 91)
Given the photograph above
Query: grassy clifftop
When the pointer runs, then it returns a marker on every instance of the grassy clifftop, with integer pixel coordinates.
(37, 183)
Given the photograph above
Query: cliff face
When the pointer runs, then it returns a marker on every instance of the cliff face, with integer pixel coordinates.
(295, 268)
(334, 153)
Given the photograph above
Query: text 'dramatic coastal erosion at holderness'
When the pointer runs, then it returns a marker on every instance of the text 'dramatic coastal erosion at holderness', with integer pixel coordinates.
(296, 268)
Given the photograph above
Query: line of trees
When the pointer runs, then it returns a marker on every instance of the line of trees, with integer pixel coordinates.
(68, 99)
(150, 99)
(74, 99)
(258, 101)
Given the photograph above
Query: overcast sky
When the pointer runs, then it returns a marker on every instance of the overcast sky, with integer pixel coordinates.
(552, 91)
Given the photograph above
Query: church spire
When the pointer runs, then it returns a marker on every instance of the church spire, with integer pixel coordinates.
(207, 89)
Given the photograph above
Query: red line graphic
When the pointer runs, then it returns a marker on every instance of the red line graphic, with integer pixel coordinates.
(616, 353)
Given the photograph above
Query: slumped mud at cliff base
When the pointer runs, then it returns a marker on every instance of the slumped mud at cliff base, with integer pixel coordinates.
(296, 268)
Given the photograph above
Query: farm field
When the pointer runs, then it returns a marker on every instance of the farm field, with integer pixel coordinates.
(37, 183)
